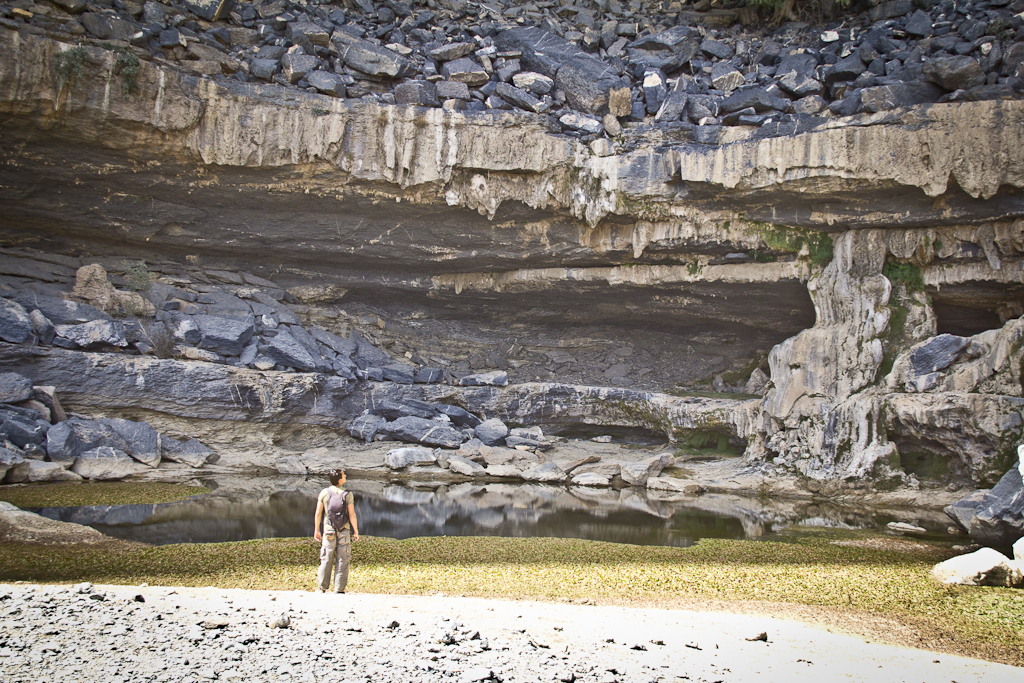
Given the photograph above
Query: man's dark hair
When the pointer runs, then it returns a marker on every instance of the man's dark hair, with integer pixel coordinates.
(335, 476)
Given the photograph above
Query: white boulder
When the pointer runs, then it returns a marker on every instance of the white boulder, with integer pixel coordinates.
(985, 567)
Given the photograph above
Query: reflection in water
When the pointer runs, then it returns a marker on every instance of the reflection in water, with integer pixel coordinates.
(241, 509)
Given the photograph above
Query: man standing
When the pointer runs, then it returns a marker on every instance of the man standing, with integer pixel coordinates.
(336, 547)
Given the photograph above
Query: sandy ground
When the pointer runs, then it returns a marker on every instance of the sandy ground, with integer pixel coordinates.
(684, 644)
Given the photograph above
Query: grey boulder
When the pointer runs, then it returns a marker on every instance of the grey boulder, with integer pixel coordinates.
(143, 441)
(465, 467)
(954, 72)
(93, 333)
(491, 432)
(637, 473)
(60, 311)
(400, 458)
(498, 378)
(418, 430)
(545, 472)
(15, 323)
(285, 350)
(14, 387)
(37, 470)
(226, 336)
(365, 427)
(105, 463)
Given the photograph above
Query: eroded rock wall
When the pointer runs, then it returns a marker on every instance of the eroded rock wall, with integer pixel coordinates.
(486, 240)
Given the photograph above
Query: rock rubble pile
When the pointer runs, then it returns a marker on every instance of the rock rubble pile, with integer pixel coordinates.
(41, 443)
(589, 67)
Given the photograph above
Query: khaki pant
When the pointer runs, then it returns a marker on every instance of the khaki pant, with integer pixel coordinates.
(336, 551)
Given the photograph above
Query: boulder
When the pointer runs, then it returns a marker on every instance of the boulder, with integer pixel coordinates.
(8, 459)
(520, 98)
(637, 473)
(143, 441)
(67, 440)
(428, 376)
(23, 431)
(460, 417)
(465, 70)
(368, 58)
(954, 72)
(340, 345)
(326, 82)
(533, 82)
(400, 458)
(263, 68)
(14, 387)
(393, 410)
(587, 83)
(365, 427)
(105, 463)
(183, 328)
(667, 50)
(759, 98)
(192, 452)
(938, 353)
(465, 467)
(285, 350)
(447, 53)
(545, 472)
(985, 567)
(37, 470)
(42, 327)
(92, 333)
(210, 10)
(59, 311)
(418, 93)
(580, 122)
(591, 479)
(504, 471)
(418, 430)
(585, 79)
(447, 90)
(399, 372)
(999, 518)
(886, 97)
(491, 432)
(497, 378)
(15, 323)
(226, 336)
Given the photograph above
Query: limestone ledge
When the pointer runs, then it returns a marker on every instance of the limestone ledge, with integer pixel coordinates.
(482, 160)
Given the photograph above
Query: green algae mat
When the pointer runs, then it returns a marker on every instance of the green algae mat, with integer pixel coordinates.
(852, 576)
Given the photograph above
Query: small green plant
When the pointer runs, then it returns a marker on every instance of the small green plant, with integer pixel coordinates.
(906, 274)
(319, 111)
(128, 68)
(761, 256)
(70, 66)
(781, 238)
(1001, 29)
(161, 340)
(137, 276)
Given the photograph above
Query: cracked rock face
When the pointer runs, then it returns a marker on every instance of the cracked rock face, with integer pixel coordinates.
(829, 257)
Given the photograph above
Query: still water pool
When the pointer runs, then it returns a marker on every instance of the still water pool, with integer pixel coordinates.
(243, 508)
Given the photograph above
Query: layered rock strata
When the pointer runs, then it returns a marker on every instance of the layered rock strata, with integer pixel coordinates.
(877, 257)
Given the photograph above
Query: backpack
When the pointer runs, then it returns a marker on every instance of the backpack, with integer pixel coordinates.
(337, 510)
